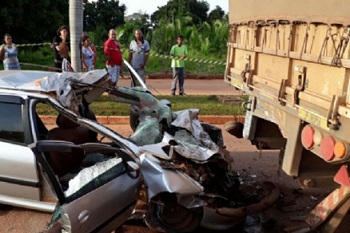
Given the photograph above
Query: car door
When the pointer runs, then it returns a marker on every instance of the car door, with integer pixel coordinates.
(105, 208)
(19, 180)
(100, 197)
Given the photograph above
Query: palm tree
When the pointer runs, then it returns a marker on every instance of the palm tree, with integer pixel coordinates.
(76, 29)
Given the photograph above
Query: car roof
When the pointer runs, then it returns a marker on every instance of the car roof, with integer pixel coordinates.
(23, 79)
(44, 81)
(54, 84)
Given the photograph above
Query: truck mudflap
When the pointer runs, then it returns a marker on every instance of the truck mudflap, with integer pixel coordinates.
(330, 212)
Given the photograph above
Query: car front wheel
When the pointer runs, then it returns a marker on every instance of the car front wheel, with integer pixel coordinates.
(164, 214)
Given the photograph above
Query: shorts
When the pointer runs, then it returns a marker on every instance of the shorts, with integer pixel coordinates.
(114, 73)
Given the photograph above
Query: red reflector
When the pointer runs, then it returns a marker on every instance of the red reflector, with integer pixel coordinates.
(342, 176)
(327, 148)
(307, 137)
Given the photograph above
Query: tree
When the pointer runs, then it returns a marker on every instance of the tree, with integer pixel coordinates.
(104, 13)
(135, 21)
(213, 36)
(217, 14)
(177, 9)
(198, 11)
(140, 20)
(32, 21)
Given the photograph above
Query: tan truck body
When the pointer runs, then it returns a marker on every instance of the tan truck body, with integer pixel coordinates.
(292, 59)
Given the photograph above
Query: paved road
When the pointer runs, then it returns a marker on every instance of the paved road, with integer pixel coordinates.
(192, 86)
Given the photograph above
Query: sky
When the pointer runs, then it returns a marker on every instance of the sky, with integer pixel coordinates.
(134, 6)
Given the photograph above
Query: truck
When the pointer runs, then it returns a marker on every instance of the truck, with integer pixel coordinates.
(292, 60)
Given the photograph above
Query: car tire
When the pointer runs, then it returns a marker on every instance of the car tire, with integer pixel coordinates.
(164, 214)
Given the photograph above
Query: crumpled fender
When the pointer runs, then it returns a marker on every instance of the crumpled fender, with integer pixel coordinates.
(158, 179)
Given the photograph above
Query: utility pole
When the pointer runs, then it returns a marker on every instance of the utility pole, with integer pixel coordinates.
(76, 10)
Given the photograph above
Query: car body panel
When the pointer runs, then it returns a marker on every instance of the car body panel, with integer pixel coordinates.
(18, 172)
(44, 81)
(15, 79)
(27, 203)
(101, 206)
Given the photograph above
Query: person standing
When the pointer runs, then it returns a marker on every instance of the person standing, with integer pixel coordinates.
(92, 45)
(178, 52)
(113, 55)
(9, 53)
(88, 55)
(61, 47)
(138, 54)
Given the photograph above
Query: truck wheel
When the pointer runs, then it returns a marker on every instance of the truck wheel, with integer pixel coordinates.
(164, 214)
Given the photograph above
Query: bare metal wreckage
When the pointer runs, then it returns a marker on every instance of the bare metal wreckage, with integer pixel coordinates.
(89, 176)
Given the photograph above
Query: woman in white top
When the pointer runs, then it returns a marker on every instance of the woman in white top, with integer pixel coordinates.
(88, 54)
(8, 54)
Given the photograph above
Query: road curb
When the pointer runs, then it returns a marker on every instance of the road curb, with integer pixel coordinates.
(121, 120)
(168, 75)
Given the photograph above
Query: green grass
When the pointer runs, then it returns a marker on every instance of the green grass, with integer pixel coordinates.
(207, 105)
(41, 58)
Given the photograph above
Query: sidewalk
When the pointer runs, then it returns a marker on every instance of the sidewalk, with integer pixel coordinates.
(191, 86)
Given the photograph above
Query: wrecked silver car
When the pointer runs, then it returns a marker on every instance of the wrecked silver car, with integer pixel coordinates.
(42, 168)
(89, 176)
